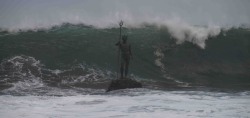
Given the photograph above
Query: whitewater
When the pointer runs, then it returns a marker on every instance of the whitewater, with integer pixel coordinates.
(129, 104)
(57, 58)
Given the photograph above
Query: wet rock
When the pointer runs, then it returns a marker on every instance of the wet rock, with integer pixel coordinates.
(123, 84)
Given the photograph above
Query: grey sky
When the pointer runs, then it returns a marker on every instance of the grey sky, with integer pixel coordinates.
(16, 14)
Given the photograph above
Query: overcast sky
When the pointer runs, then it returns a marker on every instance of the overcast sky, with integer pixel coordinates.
(43, 13)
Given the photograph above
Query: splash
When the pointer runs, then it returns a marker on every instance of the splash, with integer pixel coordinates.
(182, 32)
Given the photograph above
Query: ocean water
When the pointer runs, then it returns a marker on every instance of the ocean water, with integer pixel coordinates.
(58, 58)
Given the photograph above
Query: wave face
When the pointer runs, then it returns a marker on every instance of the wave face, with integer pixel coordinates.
(86, 57)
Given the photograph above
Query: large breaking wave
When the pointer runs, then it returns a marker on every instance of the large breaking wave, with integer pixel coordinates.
(80, 56)
(65, 44)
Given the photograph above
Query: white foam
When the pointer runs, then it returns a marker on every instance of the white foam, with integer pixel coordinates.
(158, 62)
(182, 32)
(26, 84)
(179, 104)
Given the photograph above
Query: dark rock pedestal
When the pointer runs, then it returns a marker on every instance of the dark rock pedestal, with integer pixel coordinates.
(123, 84)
